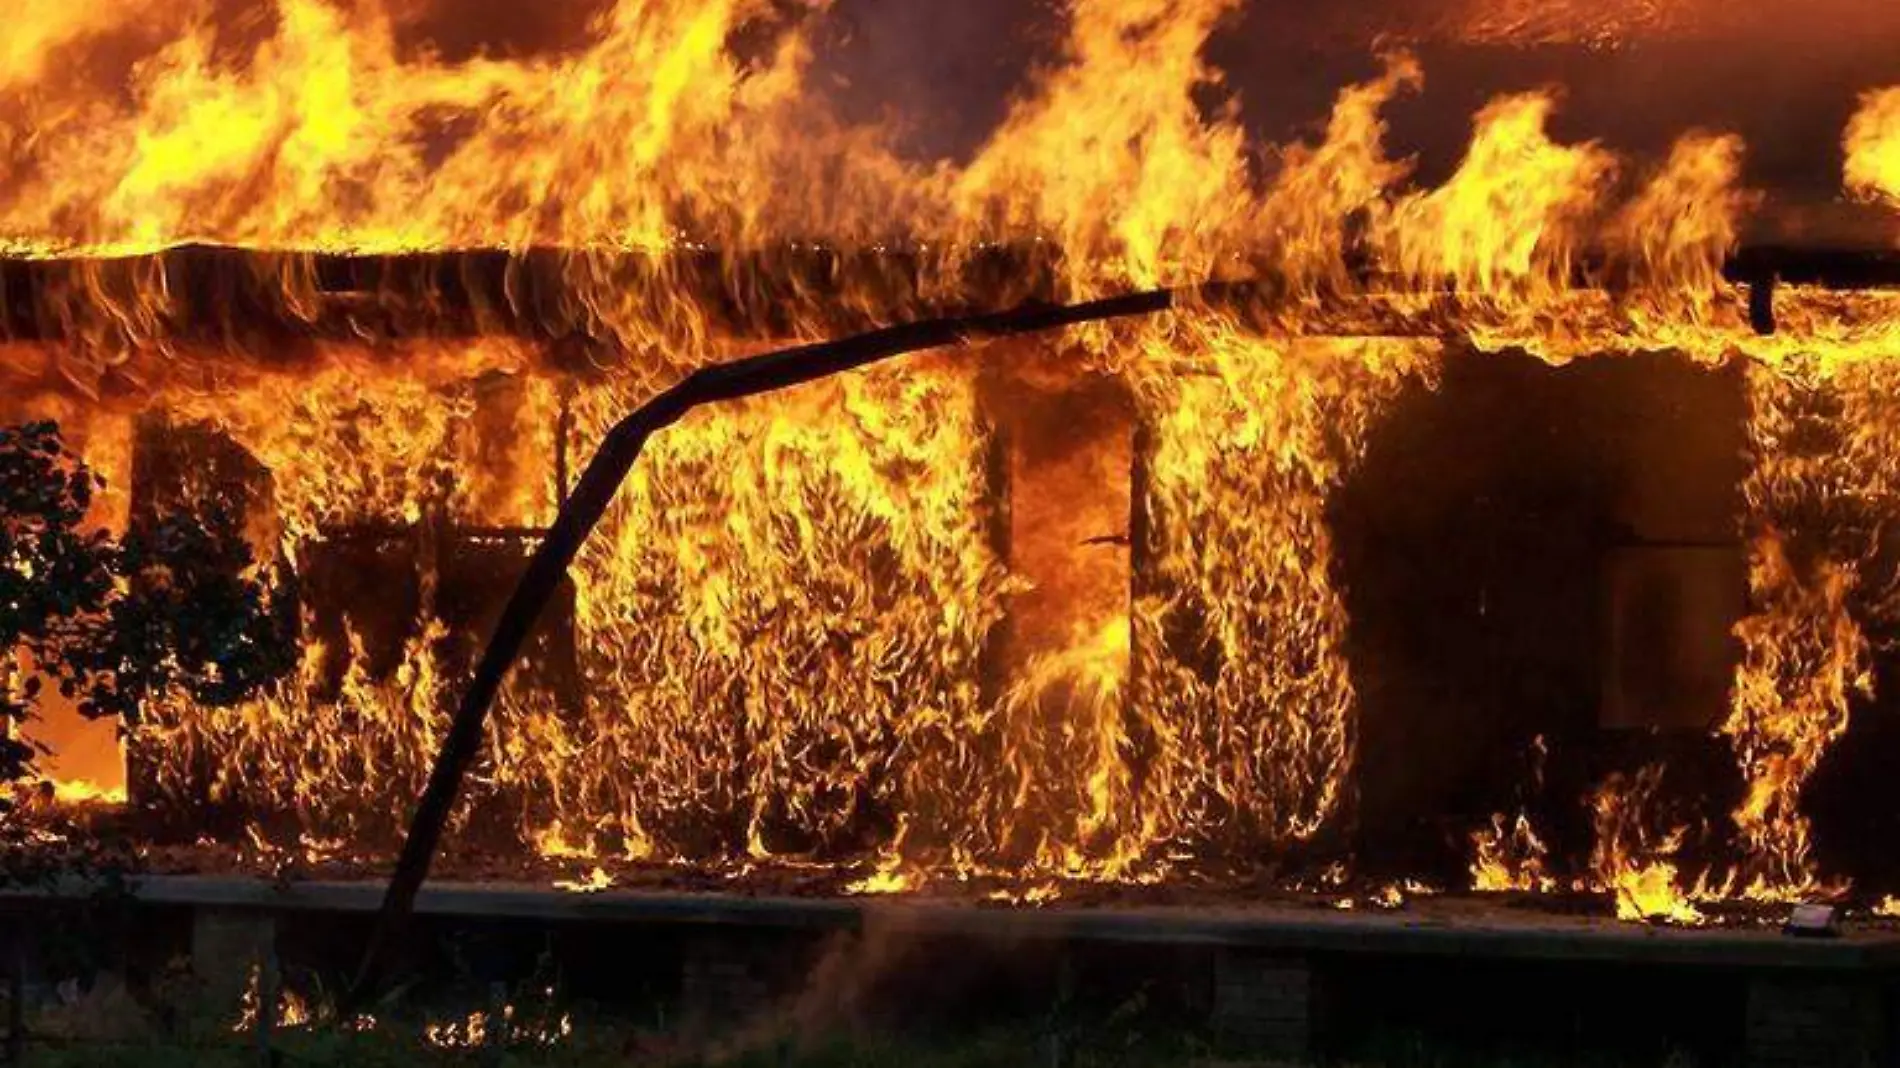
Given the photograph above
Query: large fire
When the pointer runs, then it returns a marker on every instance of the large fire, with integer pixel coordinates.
(826, 626)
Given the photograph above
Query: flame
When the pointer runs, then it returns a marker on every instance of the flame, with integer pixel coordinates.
(782, 642)
(1872, 144)
(1630, 861)
(1675, 235)
(1508, 856)
(1814, 429)
(1163, 183)
(292, 1010)
(471, 1033)
(1034, 896)
(1511, 220)
(501, 1028)
(324, 134)
(552, 842)
(1305, 214)
(593, 882)
(86, 792)
(1252, 722)
(1651, 893)
(745, 661)
(889, 878)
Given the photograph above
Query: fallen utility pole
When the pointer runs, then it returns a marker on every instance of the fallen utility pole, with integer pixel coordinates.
(601, 480)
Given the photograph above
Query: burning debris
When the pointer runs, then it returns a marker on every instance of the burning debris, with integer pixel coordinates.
(1074, 610)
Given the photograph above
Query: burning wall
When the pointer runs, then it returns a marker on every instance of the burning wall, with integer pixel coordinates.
(810, 626)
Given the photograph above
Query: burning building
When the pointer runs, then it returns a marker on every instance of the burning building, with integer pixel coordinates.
(1522, 524)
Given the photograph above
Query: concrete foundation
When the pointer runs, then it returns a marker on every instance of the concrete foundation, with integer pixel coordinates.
(1263, 1002)
(1280, 981)
(1807, 1022)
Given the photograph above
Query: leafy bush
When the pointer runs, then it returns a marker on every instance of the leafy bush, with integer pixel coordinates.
(178, 606)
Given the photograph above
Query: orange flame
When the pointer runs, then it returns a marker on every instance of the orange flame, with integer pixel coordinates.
(781, 639)
(1630, 861)
(1872, 144)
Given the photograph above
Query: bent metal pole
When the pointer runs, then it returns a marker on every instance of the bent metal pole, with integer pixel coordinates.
(591, 497)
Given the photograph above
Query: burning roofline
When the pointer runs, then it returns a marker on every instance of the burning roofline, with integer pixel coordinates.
(246, 298)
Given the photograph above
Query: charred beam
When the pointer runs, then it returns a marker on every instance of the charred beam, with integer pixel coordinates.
(1828, 269)
(224, 294)
(265, 299)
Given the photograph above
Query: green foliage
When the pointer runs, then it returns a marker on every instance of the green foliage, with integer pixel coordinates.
(53, 575)
(191, 621)
(175, 607)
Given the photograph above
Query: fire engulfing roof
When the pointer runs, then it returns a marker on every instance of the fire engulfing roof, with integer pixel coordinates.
(399, 257)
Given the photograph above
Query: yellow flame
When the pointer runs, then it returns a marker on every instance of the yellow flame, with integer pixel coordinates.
(1510, 221)
(1508, 856)
(1630, 860)
(292, 1010)
(1161, 184)
(1872, 144)
(503, 1028)
(593, 882)
(883, 881)
(783, 631)
(86, 792)
(1805, 656)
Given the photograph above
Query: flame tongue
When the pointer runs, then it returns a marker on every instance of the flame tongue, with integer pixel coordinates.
(1872, 144)
(782, 643)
